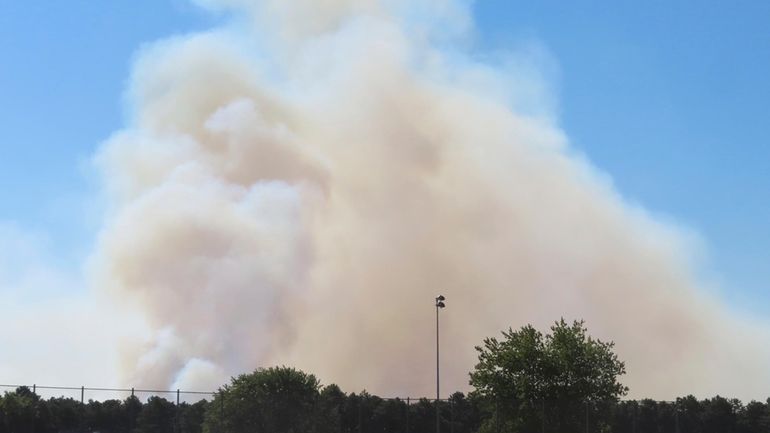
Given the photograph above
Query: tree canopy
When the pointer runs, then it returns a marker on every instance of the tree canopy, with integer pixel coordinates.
(526, 371)
(271, 400)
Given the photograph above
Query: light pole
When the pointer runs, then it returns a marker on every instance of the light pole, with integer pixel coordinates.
(439, 304)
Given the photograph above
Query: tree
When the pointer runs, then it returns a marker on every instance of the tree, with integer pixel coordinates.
(720, 415)
(331, 406)
(61, 415)
(465, 415)
(132, 407)
(528, 377)
(19, 410)
(191, 417)
(755, 418)
(158, 415)
(273, 400)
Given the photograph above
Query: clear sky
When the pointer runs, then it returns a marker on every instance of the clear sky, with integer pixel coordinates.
(669, 99)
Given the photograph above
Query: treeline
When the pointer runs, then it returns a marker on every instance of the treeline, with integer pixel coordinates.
(690, 415)
(23, 411)
(330, 410)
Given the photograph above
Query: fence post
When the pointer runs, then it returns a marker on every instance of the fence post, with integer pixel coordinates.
(176, 425)
(407, 415)
(676, 408)
(586, 417)
(360, 420)
(82, 394)
(34, 414)
(451, 416)
(177, 397)
(542, 415)
(497, 415)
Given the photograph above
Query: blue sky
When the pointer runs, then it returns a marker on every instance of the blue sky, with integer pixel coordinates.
(668, 98)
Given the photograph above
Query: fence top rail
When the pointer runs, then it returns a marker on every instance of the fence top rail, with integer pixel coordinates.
(86, 388)
(174, 391)
(213, 393)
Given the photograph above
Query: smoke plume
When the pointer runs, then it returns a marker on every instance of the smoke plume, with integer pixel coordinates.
(296, 187)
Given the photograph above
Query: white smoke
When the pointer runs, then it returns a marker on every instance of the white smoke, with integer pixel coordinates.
(297, 187)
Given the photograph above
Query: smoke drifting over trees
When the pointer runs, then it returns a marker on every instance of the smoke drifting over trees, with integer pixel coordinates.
(296, 187)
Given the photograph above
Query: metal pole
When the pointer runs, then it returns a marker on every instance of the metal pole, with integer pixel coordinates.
(82, 411)
(438, 422)
(177, 422)
(439, 304)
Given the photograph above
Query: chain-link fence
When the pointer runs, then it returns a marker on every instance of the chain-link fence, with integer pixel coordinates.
(43, 409)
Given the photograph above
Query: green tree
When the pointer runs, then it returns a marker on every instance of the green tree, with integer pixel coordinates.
(191, 417)
(527, 377)
(755, 418)
(465, 417)
(273, 400)
(720, 415)
(690, 414)
(19, 409)
(60, 415)
(158, 415)
(422, 416)
(132, 407)
(109, 416)
(330, 409)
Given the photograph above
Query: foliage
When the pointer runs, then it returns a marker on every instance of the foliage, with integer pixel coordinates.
(191, 417)
(527, 373)
(158, 415)
(272, 400)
